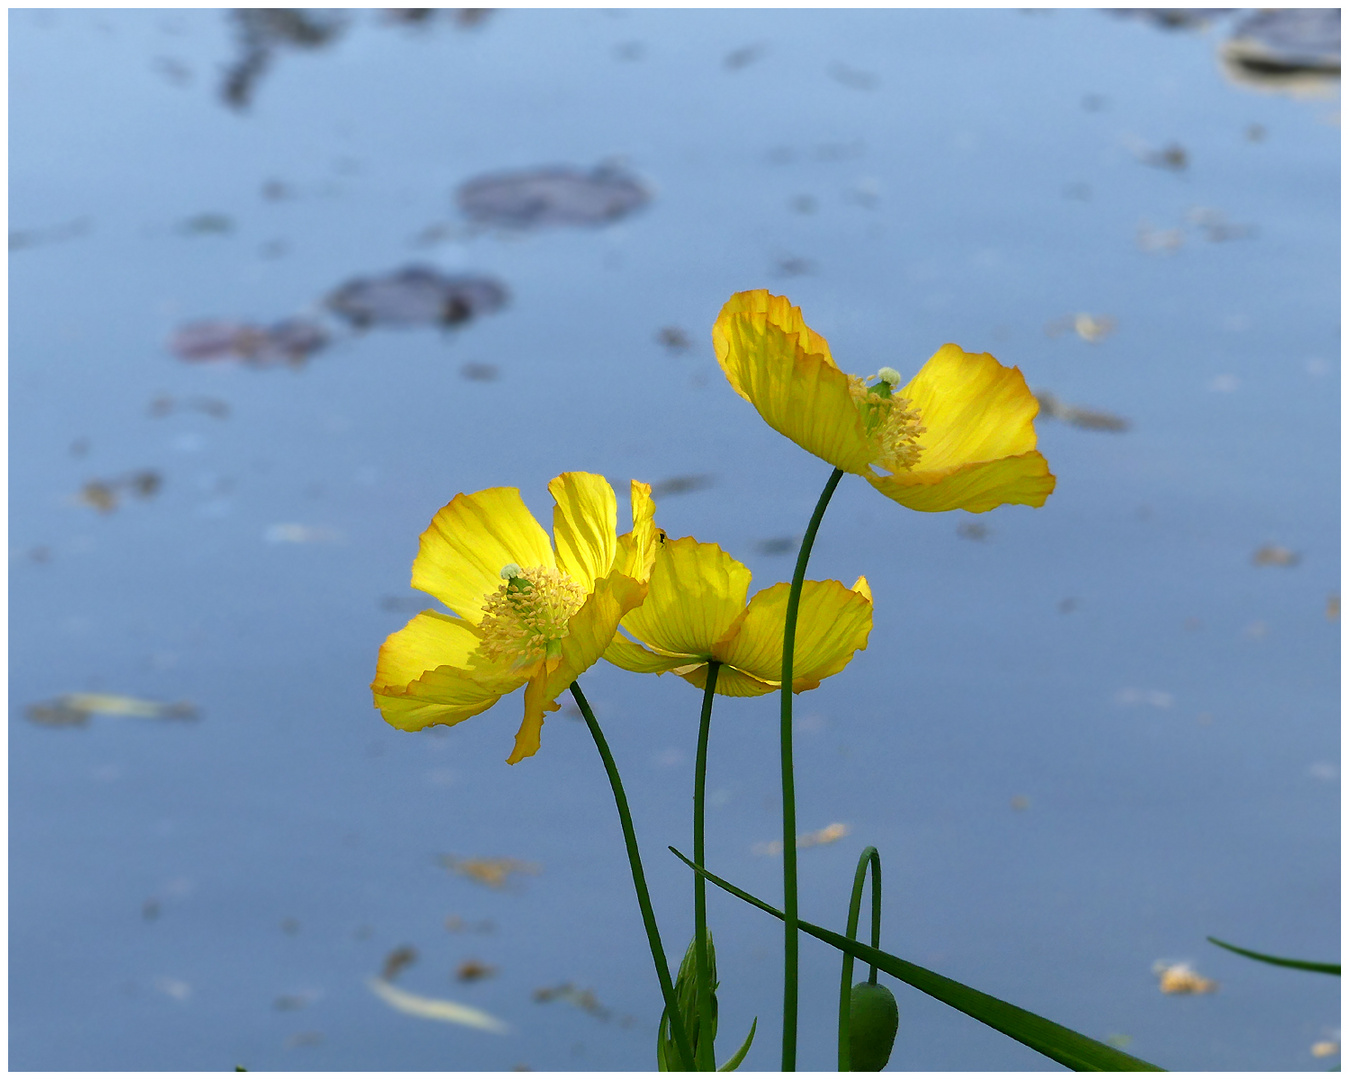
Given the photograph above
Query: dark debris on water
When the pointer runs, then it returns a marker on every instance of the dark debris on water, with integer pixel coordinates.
(552, 195)
(291, 341)
(1078, 416)
(106, 495)
(1287, 41)
(416, 296)
(681, 485)
(261, 32)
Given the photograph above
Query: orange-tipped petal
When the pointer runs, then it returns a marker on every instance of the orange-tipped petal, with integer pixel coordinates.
(779, 311)
(783, 368)
(461, 555)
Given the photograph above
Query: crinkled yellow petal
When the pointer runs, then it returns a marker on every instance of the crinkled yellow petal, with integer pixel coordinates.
(973, 409)
(411, 713)
(462, 553)
(833, 622)
(632, 656)
(783, 368)
(536, 704)
(695, 594)
(428, 641)
(427, 673)
(730, 681)
(584, 525)
(1025, 479)
(636, 549)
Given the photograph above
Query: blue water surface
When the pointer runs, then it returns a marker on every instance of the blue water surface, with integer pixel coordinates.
(1083, 738)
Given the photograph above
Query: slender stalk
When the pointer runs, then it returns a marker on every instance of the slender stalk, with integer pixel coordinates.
(789, 791)
(869, 855)
(705, 1060)
(639, 882)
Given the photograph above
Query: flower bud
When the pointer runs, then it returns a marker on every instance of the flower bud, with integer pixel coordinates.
(873, 1021)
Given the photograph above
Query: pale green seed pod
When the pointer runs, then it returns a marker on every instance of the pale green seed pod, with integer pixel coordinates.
(874, 1018)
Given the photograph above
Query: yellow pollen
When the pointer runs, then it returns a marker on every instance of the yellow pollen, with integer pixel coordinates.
(525, 619)
(892, 425)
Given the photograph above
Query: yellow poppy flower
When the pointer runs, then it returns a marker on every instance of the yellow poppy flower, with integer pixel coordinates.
(695, 612)
(527, 612)
(959, 435)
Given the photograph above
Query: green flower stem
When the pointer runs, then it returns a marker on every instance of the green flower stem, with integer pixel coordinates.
(705, 1060)
(869, 855)
(789, 793)
(639, 882)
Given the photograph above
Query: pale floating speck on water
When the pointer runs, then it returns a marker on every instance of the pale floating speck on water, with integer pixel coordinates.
(815, 838)
(1181, 978)
(76, 709)
(429, 1008)
(495, 873)
(295, 533)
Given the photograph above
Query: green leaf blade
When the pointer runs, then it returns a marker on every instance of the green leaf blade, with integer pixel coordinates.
(1055, 1041)
(1280, 961)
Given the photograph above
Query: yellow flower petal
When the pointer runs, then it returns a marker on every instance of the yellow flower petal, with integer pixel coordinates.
(730, 682)
(833, 622)
(462, 553)
(696, 592)
(979, 446)
(536, 704)
(631, 656)
(414, 713)
(780, 312)
(584, 525)
(426, 674)
(636, 549)
(427, 642)
(784, 369)
(1025, 480)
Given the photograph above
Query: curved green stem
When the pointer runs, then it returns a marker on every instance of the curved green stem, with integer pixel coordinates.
(790, 937)
(639, 881)
(705, 1060)
(869, 855)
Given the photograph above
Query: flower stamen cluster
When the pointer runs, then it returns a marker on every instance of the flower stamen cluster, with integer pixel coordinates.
(892, 425)
(525, 619)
